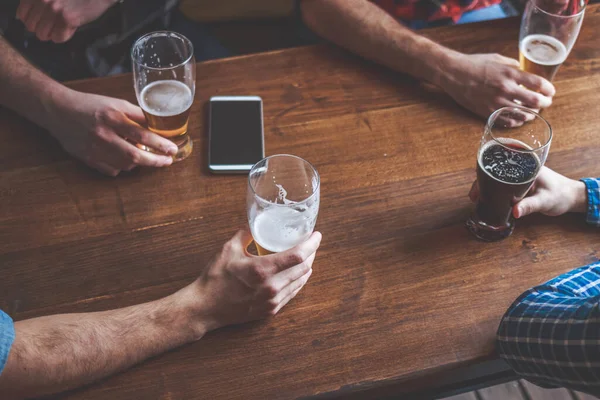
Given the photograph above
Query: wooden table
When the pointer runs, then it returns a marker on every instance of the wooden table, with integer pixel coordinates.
(401, 295)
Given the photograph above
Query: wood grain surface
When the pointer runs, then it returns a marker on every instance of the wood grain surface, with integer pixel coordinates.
(400, 290)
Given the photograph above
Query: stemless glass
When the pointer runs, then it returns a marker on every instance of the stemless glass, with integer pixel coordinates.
(549, 29)
(513, 150)
(282, 202)
(164, 77)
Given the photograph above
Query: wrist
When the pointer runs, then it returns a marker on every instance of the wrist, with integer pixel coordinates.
(194, 308)
(54, 101)
(450, 64)
(579, 197)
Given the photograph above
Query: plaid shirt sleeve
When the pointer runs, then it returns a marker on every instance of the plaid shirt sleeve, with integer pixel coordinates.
(593, 194)
(551, 333)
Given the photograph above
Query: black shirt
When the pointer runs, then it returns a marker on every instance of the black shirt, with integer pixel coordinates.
(97, 49)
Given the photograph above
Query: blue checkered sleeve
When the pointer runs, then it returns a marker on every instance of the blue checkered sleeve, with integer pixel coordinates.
(551, 333)
(7, 336)
(593, 195)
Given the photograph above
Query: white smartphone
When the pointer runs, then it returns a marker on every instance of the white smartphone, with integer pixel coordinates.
(236, 136)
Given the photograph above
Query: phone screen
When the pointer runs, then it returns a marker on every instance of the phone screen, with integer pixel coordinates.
(236, 133)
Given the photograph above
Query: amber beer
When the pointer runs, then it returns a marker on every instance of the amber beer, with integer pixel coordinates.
(166, 105)
(541, 55)
(278, 228)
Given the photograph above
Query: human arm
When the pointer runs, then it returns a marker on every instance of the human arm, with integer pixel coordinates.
(57, 20)
(481, 83)
(549, 335)
(97, 130)
(60, 352)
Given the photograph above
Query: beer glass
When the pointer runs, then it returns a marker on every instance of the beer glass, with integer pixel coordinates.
(164, 77)
(549, 29)
(282, 202)
(513, 150)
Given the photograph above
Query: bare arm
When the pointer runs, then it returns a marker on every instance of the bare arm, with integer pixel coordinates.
(366, 29)
(25, 89)
(60, 352)
(97, 130)
(56, 353)
(481, 83)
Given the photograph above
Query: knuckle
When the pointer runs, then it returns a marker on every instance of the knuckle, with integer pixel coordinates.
(69, 17)
(228, 247)
(272, 304)
(104, 115)
(504, 87)
(260, 275)
(535, 102)
(305, 266)
(496, 100)
(295, 258)
(134, 156)
(536, 82)
(137, 135)
(270, 290)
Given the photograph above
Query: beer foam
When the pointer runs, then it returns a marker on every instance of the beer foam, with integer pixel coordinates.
(282, 195)
(280, 228)
(166, 98)
(514, 171)
(543, 49)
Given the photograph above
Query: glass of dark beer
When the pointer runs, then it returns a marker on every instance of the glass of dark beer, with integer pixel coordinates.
(513, 150)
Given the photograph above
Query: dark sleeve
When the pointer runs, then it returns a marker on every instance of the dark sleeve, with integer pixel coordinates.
(551, 333)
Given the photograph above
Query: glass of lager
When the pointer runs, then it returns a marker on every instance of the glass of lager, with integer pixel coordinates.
(283, 202)
(548, 33)
(164, 77)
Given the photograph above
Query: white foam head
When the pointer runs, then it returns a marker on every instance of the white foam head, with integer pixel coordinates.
(543, 49)
(166, 98)
(280, 228)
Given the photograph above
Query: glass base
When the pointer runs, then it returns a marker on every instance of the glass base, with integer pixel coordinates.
(489, 233)
(184, 148)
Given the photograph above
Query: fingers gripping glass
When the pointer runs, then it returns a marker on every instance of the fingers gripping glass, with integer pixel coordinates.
(282, 202)
(549, 29)
(513, 150)
(164, 77)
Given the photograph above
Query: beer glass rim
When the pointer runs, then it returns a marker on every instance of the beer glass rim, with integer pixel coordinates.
(187, 41)
(315, 191)
(534, 3)
(493, 116)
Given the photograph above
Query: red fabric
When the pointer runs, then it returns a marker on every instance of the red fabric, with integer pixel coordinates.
(431, 10)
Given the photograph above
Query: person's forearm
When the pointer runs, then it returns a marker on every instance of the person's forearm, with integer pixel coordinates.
(26, 90)
(555, 324)
(60, 352)
(364, 28)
